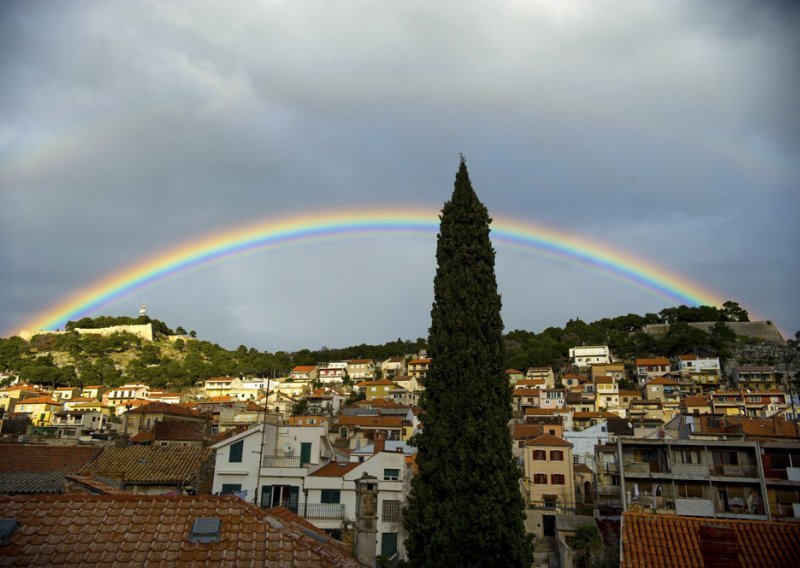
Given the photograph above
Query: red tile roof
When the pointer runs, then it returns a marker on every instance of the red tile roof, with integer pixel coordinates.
(548, 440)
(662, 541)
(646, 362)
(135, 530)
(527, 431)
(335, 469)
(372, 421)
(150, 464)
(40, 400)
(304, 368)
(163, 408)
(66, 459)
(663, 381)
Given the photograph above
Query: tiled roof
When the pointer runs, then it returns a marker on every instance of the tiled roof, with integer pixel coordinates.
(150, 464)
(136, 530)
(527, 431)
(360, 361)
(513, 371)
(163, 408)
(695, 401)
(604, 380)
(27, 458)
(582, 468)
(335, 469)
(548, 440)
(304, 368)
(373, 421)
(643, 362)
(179, 430)
(656, 541)
(663, 381)
(40, 400)
(28, 482)
(377, 403)
(420, 362)
(545, 411)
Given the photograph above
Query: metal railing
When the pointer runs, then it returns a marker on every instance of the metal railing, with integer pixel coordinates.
(321, 511)
(281, 461)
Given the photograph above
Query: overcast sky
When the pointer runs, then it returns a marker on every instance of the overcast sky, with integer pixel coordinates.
(669, 130)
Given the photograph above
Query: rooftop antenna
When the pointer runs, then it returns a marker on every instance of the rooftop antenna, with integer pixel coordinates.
(143, 309)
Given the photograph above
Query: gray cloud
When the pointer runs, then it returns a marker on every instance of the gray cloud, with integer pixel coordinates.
(667, 130)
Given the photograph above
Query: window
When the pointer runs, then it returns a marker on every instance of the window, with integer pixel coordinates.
(540, 455)
(687, 456)
(557, 479)
(230, 488)
(235, 455)
(540, 478)
(391, 511)
(330, 496)
(391, 474)
(689, 490)
(556, 455)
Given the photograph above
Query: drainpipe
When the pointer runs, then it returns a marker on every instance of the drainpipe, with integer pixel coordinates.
(762, 480)
(622, 493)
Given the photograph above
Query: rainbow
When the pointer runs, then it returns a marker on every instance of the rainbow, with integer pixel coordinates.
(277, 232)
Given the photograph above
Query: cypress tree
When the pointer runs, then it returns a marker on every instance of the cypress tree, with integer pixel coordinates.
(465, 507)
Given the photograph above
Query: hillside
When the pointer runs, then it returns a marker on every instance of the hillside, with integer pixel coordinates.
(179, 360)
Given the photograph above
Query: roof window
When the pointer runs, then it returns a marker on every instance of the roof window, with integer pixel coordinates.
(206, 530)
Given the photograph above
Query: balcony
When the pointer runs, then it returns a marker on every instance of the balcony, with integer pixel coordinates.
(281, 462)
(732, 470)
(322, 511)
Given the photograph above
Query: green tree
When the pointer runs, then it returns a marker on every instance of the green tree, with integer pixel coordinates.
(465, 507)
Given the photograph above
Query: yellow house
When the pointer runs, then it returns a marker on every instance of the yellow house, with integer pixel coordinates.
(85, 405)
(11, 396)
(40, 409)
(377, 389)
(549, 472)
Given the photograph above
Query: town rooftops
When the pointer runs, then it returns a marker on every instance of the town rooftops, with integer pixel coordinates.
(136, 530)
(678, 541)
(163, 408)
(65, 459)
(548, 440)
(695, 401)
(663, 381)
(304, 368)
(335, 469)
(40, 400)
(651, 361)
(150, 464)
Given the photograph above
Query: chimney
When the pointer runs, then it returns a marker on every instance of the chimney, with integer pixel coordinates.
(366, 542)
(379, 442)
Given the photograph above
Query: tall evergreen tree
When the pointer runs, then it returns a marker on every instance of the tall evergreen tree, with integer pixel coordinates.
(465, 506)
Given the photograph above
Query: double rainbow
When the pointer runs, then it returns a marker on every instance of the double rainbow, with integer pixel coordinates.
(274, 233)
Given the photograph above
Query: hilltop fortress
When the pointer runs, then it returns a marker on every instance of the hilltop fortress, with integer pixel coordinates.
(145, 331)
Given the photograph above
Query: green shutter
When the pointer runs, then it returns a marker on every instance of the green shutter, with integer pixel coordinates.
(305, 453)
(236, 450)
(388, 543)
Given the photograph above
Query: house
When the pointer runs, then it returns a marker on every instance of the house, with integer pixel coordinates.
(221, 386)
(324, 401)
(145, 530)
(310, 420)
(393, 367)
(649, 368)
(409, 383)
(571, 380)
(361, 369)
(542, 373)
(181, 433)
(614, 370)
(267, 464)
(755, 377)
(549, 477)
(362, 429)
(62, 394)
(728, 402)
(647, 410)
(77, 423)
(665, 390)
(377, 389)
(330, 495)
(94, 391)
(514, 375)
(706, 478)
(29, 469)
(694, 363)
(144, 418)
(39, 409)
(552, 398)
(690, 541)
(332, 373)
(607, 394)
(304, 373)
(9, 397)
(127, 393)
(695, 405)
(155, 470)
(418, 368)
(166, 397)
(588, 355)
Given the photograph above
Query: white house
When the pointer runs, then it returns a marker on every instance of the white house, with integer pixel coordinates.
(588, 355)
(297, 471)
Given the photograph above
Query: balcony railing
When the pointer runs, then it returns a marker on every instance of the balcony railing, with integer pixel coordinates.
(730, 470)
(321, 511)
(280, 461)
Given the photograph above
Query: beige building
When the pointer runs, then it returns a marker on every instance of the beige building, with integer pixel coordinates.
(549, 473)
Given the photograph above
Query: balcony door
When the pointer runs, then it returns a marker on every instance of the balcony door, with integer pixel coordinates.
(280, 496)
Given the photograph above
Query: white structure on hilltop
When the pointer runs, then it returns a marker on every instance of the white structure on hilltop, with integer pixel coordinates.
(588, 355)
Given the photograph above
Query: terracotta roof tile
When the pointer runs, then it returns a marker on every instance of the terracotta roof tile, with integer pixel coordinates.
(154, 530)
(527, 431)
(645, 361)
(335, 469)
(163, 408)
(372, 421)
(29, 458)
(548, 440)
(663, 381)
(150, 464)
(40, 400)
(677, 541)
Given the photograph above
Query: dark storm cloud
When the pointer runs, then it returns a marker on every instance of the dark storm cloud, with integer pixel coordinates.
(668, 130)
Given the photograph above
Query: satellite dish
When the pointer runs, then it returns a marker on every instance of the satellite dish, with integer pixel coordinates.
(287, 448)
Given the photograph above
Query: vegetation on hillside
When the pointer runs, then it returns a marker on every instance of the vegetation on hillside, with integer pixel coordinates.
(80, 359)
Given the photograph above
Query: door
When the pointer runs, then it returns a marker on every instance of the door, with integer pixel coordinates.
(305, 453)
(549, 522)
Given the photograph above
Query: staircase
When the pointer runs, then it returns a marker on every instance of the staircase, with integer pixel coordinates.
(545, 546)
